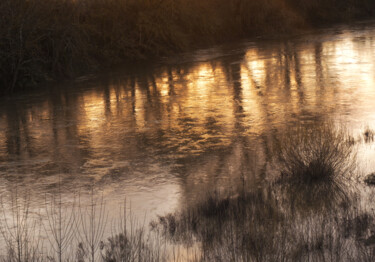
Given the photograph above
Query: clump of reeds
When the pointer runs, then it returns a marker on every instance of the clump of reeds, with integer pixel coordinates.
(262, 225)
(369, 135)
(228, 228)
(319, 153)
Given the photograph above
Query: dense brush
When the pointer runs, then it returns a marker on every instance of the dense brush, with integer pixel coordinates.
(41, 40)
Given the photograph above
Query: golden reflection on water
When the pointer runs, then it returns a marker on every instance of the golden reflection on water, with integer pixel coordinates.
(186, 128)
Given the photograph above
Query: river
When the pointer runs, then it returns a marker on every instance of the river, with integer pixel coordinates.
(161, 136)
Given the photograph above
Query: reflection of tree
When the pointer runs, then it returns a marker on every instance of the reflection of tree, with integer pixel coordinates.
(230, 165)
(170, 82)
(132, 90)
(232, 71)
(287, 57)
(163, 115)
(73, 157)
(18, 134)
(298, 75)
(107, 100)
(233, 67)
(318, 63)
(56, 106)
(13, 133)
(323, 76)
(155, 106)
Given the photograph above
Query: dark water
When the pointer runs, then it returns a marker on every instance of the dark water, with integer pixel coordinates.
(162, 136)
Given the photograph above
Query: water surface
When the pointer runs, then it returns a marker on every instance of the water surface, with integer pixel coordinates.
(163, 135)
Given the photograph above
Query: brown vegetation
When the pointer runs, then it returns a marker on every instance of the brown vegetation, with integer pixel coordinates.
(41, 40)
(322, 153)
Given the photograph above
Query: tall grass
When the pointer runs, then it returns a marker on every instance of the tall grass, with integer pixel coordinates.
(52, 39)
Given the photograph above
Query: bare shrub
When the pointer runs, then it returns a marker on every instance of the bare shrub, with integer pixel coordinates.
(90, 227)
(60, 229)
(131, 241)
(20, 229)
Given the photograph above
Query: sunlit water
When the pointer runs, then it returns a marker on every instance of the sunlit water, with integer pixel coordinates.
(161, 137)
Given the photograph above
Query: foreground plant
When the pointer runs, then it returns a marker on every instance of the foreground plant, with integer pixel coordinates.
(320, 153)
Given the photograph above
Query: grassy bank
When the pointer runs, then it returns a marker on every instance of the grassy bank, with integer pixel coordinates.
(54, 39)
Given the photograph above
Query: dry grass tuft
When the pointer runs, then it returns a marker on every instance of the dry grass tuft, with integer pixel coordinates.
(315, 154)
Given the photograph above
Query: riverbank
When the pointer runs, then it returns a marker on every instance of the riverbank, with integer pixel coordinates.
(56, 39)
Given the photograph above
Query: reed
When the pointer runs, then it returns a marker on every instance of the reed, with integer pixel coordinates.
(315, 154)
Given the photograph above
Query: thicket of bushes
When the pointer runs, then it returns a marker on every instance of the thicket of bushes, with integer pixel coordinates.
(52, 39)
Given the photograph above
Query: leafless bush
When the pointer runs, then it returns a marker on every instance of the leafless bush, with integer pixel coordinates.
(60, 229)
(131, 241)
(90, 227)
(20, 229)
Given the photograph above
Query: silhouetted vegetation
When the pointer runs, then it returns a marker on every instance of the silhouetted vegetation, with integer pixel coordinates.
(263, 225)
(52, 39)
(307, 214)
(368, 135)
(245, 225)
(322, 153)
(328, 11)
(74, 233)
(315, 163)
